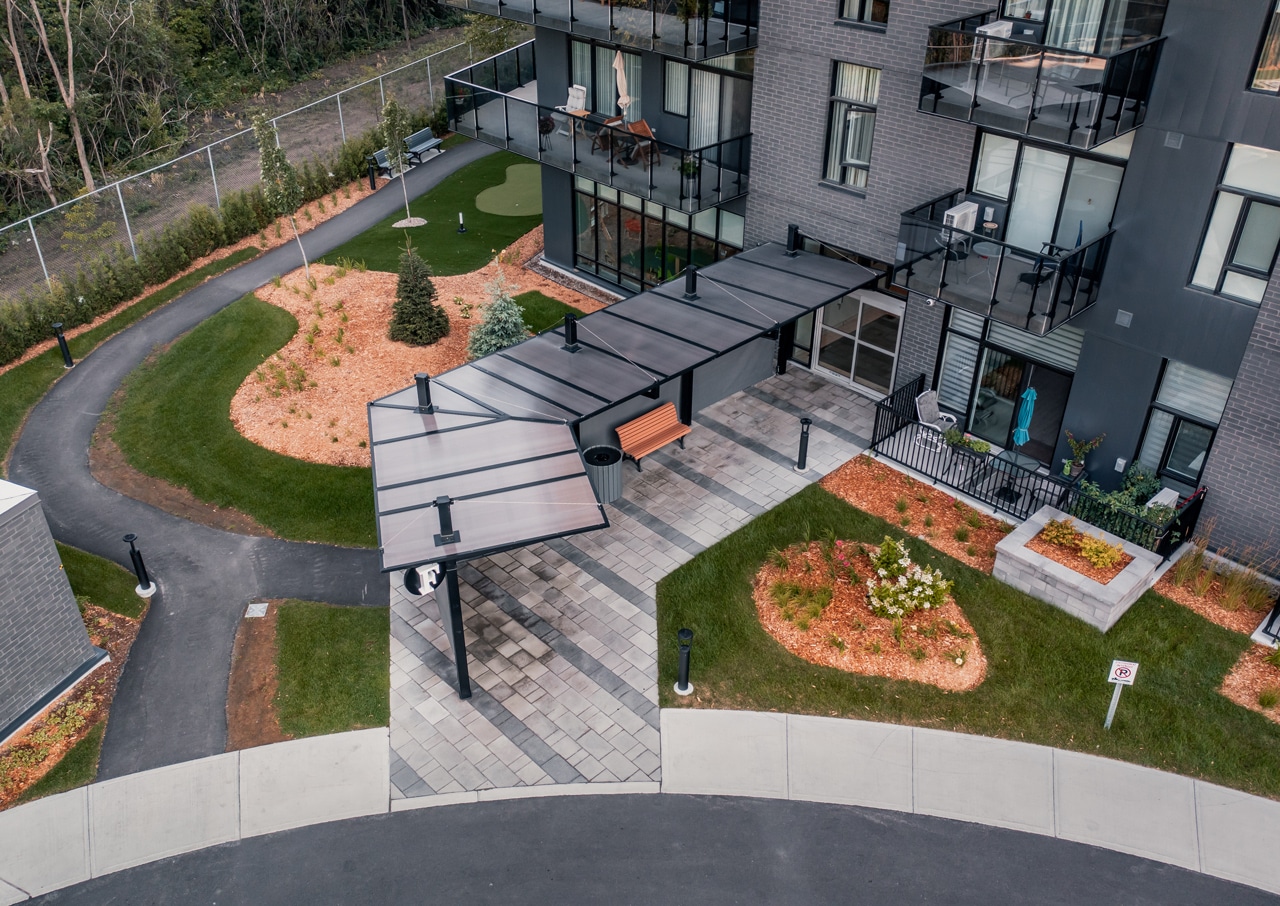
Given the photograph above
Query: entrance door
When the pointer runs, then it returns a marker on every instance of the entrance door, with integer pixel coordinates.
(858, 340)
(1004, 378)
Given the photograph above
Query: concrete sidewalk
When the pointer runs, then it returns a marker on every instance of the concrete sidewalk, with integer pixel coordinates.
(106, 827)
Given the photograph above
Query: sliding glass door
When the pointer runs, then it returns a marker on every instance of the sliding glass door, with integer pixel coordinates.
(858, 340)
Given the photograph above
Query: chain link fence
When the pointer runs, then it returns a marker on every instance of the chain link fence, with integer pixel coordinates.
(58, 243)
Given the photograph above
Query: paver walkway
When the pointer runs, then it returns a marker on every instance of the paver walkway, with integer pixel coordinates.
(561, 635)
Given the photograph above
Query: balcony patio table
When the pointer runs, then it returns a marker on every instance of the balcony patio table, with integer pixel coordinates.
(1008, 461)
(987, 251)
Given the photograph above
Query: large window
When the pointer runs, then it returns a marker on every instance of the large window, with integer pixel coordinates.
(592, 67)
(1266, 76)
(640, 244)
(874, 12)
(854, 94)
(1183, 420)
(1239, 247)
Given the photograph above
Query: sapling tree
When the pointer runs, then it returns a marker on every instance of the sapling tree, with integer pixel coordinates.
(415, 318)
(281, 189)
(503, 324)
(394, 129)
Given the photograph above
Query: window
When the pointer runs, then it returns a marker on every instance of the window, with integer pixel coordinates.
(853, 122)
(1266, 76)
(592, 67)
(872, 11)
(1183, 420)
(1239, 246)
(676, 92)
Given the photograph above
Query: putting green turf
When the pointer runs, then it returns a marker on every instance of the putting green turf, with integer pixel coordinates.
(519, 196)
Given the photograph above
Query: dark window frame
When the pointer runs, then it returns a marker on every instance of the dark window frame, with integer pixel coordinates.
(836, 103)
(1270, 31)
(865, 10)
(1179, 417)
(1242, 217)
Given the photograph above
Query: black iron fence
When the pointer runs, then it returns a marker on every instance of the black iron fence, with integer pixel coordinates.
(1004, 483)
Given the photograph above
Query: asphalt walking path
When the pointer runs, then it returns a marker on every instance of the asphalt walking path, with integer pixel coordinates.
(649, 849)
(171, 702)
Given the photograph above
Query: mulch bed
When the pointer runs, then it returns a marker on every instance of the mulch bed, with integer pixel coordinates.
(1249, 678)
(1074, 560)
(1209, 605)
(930, 514)
(849, 637)
(35, 751)
(251, 688)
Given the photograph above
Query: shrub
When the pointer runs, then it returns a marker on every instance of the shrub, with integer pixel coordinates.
(901, 586)
(415, 318)
(503, 323)
(901, 504)
(1100, 554)
(1060, 532)
(1268, 698)
(962, 534)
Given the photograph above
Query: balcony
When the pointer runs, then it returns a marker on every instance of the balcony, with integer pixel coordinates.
(495, 101)
(688, 29)
(1061, 96)
(1034, 291)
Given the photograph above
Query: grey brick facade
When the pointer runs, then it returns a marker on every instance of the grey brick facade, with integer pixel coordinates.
(43, 642)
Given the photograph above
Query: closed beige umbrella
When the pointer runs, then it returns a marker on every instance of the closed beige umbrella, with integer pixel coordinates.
(619, 68)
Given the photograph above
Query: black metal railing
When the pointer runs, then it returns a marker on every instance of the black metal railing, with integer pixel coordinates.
(1022, 86)
(1004, 484)
(1033, 290)
(627, 156)
(690, 29)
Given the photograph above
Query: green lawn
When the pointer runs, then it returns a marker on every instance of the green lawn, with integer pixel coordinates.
(1046, 680)
(105, 584)
(77, 768)
(543, 312)
(439, 242)
(335, 668)
(174, 424)
(23, 386)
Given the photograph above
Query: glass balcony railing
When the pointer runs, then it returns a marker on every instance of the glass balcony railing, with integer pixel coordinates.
(690, 29)
(1033, 290)
(495, 101)
(1061, 96)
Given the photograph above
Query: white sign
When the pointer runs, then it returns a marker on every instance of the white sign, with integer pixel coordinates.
(1123, 672)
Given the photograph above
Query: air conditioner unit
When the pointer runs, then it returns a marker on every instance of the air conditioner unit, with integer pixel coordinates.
(962, 217)
(1001, 28)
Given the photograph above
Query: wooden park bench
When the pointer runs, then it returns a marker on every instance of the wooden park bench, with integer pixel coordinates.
(651, 431)
(420, 143)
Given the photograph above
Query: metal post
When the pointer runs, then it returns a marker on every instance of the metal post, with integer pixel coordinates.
(691, 282)
(275, 127)
(682, 682)
(40, 254)
(451, 617)
(431, 88)
(462, 224)
(382, 91)
(213, 173)
(570, 333)
(145, 589)
(423, 380)
(62, 344)
(802, 459)
(128, 229)
(342, 126)
(1111, 712)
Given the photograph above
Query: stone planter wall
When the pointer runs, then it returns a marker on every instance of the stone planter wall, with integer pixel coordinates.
(1097, 604)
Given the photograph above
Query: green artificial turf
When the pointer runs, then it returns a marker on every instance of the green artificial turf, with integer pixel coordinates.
(174, 424)
(543, 312)
(1046, 679)
(439, 242)
(23, 386)
(519, 196)
(77, 768)
(334, 665)
(105, 584)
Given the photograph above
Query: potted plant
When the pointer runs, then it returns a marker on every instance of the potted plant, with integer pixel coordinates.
(546, 125)
(1079, 450)
(690, 166)
(957, 438)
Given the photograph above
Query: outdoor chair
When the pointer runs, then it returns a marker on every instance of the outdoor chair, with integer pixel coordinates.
(603, 139)
(934, 423)
(955, 245)
(577, 101)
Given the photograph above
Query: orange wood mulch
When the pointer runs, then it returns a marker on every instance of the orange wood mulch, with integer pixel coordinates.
(1074, 560)
(938, 647)
(1250, 678)
(1209, 604)
(930, 514)
(35, 751)
(308, 400)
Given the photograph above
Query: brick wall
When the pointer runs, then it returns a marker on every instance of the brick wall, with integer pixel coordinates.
(42, 638)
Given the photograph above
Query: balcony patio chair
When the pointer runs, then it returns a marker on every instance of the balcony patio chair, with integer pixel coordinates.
(577, 101)
(934, 423)
(955, 245)
(605, 138)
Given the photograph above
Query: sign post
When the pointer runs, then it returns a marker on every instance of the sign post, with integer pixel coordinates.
(1122, 674)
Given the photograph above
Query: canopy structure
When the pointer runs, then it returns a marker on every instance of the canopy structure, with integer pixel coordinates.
(485, 458)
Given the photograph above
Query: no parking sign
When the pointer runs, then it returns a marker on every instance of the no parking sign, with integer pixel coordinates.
(1122, 674)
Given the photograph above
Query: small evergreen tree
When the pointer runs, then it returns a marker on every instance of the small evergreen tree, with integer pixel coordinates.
(415, 318)
(503, 323)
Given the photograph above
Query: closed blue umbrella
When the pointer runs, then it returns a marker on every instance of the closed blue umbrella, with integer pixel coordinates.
(1020, 435)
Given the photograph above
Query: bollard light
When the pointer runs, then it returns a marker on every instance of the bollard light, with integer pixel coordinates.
(686, 641)
(462, 226)
(802, 460)
(691, 282)
(570, 333)
(62, 344)
(145, 587)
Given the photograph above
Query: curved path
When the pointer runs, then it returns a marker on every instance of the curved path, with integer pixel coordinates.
(171, 704)
(650, 849)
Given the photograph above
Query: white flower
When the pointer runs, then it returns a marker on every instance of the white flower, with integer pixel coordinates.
(960, 660)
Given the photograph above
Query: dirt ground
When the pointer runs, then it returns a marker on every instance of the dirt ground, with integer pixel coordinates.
(251, 687)
(938, 647)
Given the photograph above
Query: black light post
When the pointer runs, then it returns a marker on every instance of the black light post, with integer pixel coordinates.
(570, 333)
(802, 461)
(462, 225)
(145, 589)
(691, 282)
(62, 344)
(686, 641)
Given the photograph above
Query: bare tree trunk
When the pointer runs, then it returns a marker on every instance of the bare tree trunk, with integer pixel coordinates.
(306, 267)
(11, 42)
(66, 81)
(404, 14)
(4, 91)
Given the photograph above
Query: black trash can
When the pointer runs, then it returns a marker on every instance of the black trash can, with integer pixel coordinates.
(604, 468)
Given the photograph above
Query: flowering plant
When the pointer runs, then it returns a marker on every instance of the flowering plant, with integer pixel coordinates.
(901, 586)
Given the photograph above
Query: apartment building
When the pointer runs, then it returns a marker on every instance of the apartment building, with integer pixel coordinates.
(1080, 197)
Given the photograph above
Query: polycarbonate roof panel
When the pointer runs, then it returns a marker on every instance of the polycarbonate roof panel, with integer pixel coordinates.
(798, 294)
(512, 398)
(832, 271)
(695, 325)
(591, 371)
(536, 382)
(735, 302)
(389, 424)
(561, 465)
(654, 351)
(484, 446)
